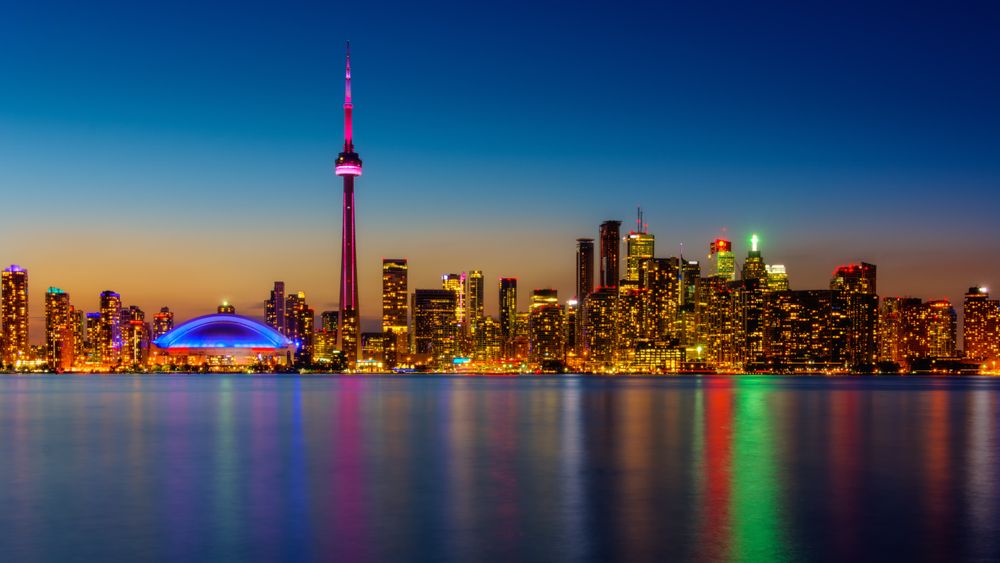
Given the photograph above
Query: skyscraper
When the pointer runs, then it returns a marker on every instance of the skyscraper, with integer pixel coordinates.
(754, 267)
(163, 322)
(300, 322)
(455, 283)
(858, 284)
(584, 268)
(720, 253)
(110, 343)
(981, 337)
(610, 253)
(475, 306)
(638, 248)
(349, 166)
(435, 330)
(545, 326)
(508, 313)
(941, 322)
(274, 309)
(14, 314)
(59, 344)
(395, 312)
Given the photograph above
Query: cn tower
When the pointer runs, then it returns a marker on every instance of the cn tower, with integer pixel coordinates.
(349, 165)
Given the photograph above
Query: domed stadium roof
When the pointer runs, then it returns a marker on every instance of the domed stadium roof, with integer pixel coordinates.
(223, 331)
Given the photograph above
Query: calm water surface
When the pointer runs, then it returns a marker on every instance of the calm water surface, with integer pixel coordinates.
(241, 468)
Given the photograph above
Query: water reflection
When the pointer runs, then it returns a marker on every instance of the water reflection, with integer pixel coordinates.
(533, 469)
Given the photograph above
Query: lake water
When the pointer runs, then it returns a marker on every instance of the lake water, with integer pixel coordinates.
(271, 468)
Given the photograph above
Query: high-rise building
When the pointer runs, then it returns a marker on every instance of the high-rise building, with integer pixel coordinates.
(805, 331)
(455, 283)
(584, 268)
(163, 322)
(274, 309)
(545, 326)
(720, 254)
(325, 339)
(661, 280)
(777, 278)
(981, 335)
(610, 253)
(135, 337)
(488, 343)
(601, 313)
(754, 267)
(395, 311)
(59, 343)
(474, 292)
(941, 322)
(639, 247)
(375, 346)
(718, 325)
(902, 331)
(14, 314)
(508, 313)
(110, 343)
(78, 328)
(348, 166)
(300, 321)
(858, 284)
(226, 308)
(752, 288)
(93, 348)
(435, 330)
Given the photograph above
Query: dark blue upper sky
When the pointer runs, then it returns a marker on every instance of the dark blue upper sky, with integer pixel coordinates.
(137, 136)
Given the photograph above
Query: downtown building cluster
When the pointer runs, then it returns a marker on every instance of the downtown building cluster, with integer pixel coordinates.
(663, 315)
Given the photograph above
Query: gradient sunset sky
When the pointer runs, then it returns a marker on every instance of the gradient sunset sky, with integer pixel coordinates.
(181, 153)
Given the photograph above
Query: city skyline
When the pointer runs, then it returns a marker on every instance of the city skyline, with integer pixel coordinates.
(829, 165)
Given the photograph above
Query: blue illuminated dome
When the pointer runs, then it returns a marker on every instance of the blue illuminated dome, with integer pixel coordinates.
(222, 331)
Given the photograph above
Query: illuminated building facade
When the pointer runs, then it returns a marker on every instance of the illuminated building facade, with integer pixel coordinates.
(226, 308)
(719, 328)
(375, 346)
(545, 327)
(805, 331)
(274, 309)
(475, 293)
(395, 310)
(455, 283)
(59, 334)
(941, 322)
(639, 247)
(435, 330)
(981, 337)
(720, 254)
(135, 338)
(610, 253)
(78, 327)
(902, 331)
(14, 315)
(348, 166)
(163, 322)
(661, 280)
(601, 328)
(857, 282)
(584, 268)
(508, 313)
(488, 343)
(300, 322)
(777, 278)
(629, 320)
(110, 344)
(325, 339)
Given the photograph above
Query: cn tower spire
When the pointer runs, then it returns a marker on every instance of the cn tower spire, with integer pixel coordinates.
(348, 132)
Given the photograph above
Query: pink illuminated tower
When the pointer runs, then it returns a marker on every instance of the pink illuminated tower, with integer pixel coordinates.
(349, 165)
